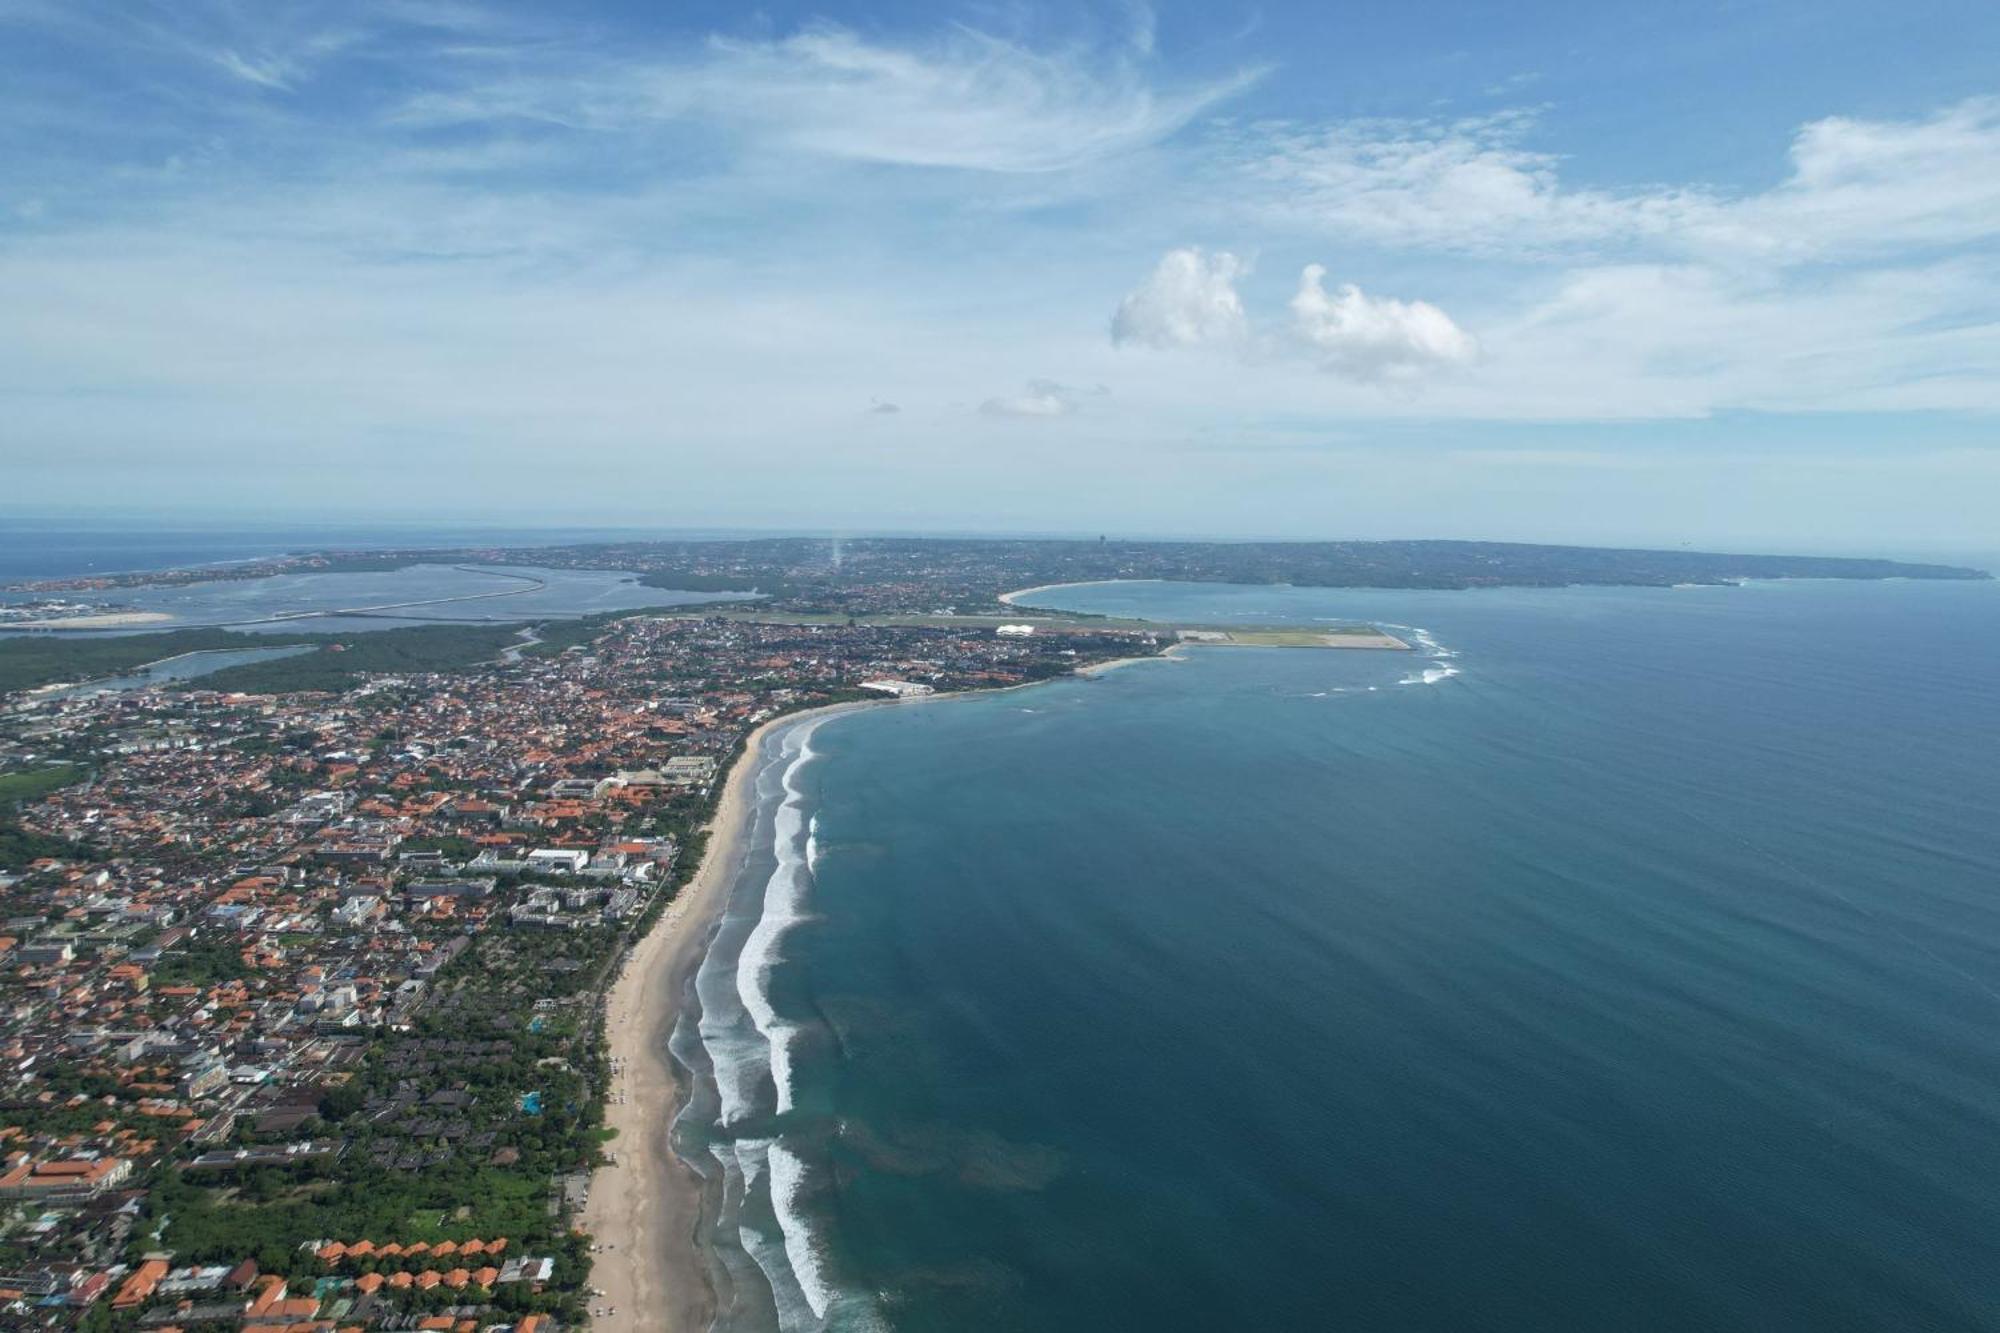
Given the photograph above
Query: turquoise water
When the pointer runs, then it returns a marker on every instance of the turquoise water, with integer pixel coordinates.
(1634, 965)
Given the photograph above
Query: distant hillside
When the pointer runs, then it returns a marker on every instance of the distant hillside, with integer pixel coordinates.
(1452, 564)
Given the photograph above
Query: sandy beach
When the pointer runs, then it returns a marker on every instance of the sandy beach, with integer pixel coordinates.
(644, 1210)
(109, 620)
(1013, 598)
(1172, 654)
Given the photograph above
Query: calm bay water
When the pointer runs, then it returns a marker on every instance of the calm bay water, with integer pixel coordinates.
(183, 666)
(1643, 974)
(387, 599)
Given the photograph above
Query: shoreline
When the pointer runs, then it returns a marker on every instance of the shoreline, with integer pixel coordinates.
(1174, 653)
(106, 620)
(645, 1209)
(1009, 598)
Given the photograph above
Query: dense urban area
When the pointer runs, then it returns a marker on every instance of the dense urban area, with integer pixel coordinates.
(302, 963)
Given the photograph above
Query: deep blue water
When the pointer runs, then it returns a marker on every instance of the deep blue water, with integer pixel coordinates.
(1645, 974)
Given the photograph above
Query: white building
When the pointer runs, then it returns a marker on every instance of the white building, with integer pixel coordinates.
(901, 689)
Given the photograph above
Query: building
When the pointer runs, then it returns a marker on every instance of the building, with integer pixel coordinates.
(71, 1181)
(689, 770)
(899, 689)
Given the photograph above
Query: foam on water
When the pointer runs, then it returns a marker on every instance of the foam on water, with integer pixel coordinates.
(802, 1254)
(752, 1160)
(766, 1214)
(1427, 644)
(784, 907)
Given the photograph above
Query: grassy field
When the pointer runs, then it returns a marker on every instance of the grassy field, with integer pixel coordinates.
(16, 788)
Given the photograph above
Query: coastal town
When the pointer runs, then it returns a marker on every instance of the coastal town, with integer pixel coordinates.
(333, 975)
(304, 989)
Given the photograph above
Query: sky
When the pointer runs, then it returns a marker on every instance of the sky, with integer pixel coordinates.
(1717, 273)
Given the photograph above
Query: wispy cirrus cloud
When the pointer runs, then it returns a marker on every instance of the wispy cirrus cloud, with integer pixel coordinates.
(1855, 188)
(966, 99)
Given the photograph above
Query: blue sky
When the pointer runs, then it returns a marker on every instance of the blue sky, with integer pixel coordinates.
(1719, 273)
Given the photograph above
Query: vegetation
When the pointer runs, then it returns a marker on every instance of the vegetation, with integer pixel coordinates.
(560, 635)
(343, 660)
(689, 581)
(20, 847)
(443, 1139)
(19, 788)
(202, 962)
(28, 660)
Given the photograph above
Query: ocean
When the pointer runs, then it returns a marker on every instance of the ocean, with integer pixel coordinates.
(1622, 959)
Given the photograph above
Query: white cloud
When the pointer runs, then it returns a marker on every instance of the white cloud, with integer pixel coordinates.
(1863, 187)
(1041, 399)
(1855, 188)
(971, 100)
(265, 73)
(1190, 298)
(967, 99)
(1467, 185)
(1374, 338)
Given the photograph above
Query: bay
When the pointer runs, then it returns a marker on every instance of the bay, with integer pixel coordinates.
(1625, 958)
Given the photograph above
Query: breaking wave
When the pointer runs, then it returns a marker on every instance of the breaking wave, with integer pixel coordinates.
(1427, 645)
(784, 907)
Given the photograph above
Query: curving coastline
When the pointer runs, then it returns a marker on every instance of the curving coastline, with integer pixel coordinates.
(645, 1209)
(1014, 598)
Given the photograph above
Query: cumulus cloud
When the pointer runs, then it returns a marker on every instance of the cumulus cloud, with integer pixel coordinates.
(1190, 298)
(1041, 399)
(1373, 337)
